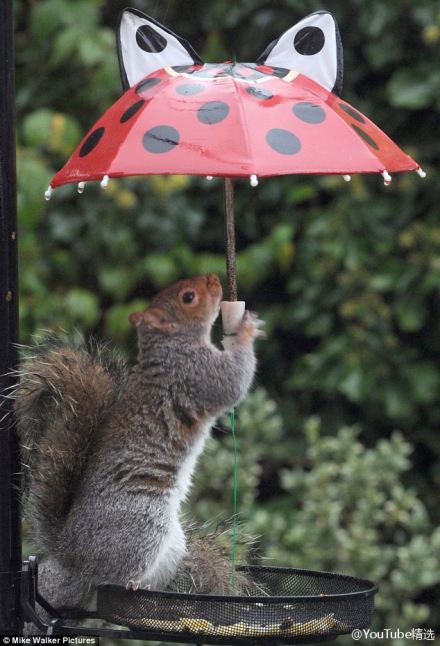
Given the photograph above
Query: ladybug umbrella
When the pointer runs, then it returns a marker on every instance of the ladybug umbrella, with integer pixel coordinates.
(280, 115)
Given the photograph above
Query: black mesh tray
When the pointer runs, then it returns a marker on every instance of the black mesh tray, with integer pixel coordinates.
(291, 606)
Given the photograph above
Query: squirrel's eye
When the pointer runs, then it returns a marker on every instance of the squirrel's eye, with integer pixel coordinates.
(188, 297)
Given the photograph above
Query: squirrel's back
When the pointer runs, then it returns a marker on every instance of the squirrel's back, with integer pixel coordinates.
(64, 394)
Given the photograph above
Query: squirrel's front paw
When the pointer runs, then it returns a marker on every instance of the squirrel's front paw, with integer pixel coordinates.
(250, 327)
(133, 584)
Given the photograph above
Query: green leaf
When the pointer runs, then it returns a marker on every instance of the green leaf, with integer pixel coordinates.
(397, 403)
(425, 381)
(414, 88)
(351, 384)
(83, 306)
(33, 177)
(90, 50)
(54, 131)
(209, 263)
(66, 44)
(46, 18)
(117, 281)
(411, 314)
(159, 268)
(117, 326)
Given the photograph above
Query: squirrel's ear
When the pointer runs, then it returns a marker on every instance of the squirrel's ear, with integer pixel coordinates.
(156, 318)
(144, 46)
(311, 47)
(135, 318)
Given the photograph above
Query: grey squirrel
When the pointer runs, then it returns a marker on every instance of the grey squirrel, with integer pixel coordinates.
(111, 452)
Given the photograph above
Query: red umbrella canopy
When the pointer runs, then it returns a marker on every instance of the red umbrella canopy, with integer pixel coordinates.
(281, 115)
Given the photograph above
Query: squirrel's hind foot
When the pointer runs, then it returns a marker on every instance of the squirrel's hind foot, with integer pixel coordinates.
(136, 584)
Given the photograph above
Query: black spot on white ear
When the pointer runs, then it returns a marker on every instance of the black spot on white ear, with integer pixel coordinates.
(150, 40)
(145, 46)
(311, 47)
(309, 41)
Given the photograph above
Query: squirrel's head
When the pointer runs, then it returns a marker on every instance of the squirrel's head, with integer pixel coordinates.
(189, 305)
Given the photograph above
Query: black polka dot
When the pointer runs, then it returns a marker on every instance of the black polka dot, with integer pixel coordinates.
(309, 112)
(182, 68)
(365, 137)
(160, 139)
(188, 89)
(131, 111)
(147, 84)
(309, 41)
(352, 112)
(283, 141)
(150, 40)
(259, 92)
(213, 112)
(92, 141)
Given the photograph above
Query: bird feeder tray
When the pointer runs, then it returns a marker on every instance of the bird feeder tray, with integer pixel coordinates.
(286, 606)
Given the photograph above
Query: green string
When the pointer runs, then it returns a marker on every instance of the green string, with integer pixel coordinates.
(234, 517)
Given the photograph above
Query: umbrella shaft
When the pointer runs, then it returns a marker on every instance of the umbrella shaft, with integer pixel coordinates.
(231, 268)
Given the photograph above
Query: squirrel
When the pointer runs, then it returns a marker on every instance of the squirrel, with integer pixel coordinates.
(111, 452)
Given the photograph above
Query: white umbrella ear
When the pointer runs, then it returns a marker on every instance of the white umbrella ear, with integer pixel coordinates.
(311, 47)
(145, 46)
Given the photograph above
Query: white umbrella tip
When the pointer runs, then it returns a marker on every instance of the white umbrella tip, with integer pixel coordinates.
(48, 193)
(386, 177)
(209, 178)
(347, 178)
(104, 182)
(81, 186)
(254, 180)
(420, 172)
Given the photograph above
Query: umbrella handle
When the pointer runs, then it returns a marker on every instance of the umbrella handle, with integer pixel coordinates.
(231, 265)
(232, 315)
(232, 309)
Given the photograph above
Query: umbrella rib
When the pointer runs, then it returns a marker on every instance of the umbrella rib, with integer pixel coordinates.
(375, 157)
(359, 139)
(244, 122)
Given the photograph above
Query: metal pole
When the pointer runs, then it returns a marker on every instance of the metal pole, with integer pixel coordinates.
(231, 267)
(10, 539)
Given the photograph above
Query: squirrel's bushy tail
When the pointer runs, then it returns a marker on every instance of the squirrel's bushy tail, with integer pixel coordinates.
(63, 395)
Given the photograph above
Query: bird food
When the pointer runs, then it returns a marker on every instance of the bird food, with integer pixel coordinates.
(294, 605)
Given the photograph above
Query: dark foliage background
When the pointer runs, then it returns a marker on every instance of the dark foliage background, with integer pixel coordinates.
(345, 275)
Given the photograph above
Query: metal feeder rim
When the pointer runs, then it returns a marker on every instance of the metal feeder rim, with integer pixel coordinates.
(159, 594)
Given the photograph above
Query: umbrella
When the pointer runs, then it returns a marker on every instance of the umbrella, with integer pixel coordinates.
(279, 115)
